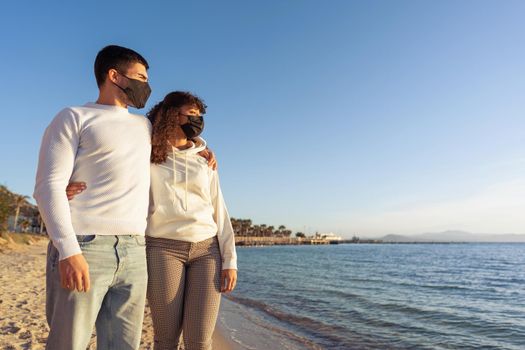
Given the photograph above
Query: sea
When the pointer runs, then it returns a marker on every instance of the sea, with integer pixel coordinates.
(378, 296)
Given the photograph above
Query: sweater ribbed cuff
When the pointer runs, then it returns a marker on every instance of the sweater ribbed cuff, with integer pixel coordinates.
(67, 247)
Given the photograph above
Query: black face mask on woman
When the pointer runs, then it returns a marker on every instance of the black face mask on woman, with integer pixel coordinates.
(137, 92)
(193, 127)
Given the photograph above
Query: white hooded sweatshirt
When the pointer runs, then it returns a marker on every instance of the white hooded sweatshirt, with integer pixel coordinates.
(186, 202)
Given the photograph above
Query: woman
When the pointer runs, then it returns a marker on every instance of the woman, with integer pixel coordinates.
(190, 243)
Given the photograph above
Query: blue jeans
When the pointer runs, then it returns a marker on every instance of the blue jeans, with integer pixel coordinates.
(114, 304)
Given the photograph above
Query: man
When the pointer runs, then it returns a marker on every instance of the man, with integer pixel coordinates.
(96, 264)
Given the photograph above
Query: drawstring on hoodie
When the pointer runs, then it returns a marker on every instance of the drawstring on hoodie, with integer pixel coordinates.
(185, 205)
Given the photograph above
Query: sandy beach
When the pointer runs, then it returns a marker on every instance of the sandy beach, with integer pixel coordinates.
(22, 300)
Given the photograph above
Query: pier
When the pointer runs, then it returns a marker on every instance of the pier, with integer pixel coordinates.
(268, 241)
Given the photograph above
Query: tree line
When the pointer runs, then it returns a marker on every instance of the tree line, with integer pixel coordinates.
(13, 205)
(245, 227)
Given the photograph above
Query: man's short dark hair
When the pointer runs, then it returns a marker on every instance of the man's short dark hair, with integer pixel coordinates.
(115, 57)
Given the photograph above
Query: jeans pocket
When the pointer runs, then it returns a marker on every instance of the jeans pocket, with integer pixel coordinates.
(84, 240)
(141, 240)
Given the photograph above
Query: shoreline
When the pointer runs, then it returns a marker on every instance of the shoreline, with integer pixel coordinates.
(23, 323)
(250, 329)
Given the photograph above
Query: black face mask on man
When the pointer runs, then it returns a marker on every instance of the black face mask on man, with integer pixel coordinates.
(137, 92)
(193, 127)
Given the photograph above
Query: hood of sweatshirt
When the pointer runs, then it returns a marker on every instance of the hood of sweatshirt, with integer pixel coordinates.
(199, 144)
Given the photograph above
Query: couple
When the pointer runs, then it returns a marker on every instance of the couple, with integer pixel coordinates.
(129, 175)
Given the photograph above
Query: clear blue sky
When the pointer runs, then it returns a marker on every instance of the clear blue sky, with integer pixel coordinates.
(357, 117)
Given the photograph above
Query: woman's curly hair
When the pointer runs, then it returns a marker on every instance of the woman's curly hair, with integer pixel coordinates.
(163, 118)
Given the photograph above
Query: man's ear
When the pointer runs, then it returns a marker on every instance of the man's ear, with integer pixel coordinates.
(112, 75)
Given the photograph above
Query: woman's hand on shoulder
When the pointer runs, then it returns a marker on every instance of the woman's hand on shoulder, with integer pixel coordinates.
(228, 280)
(210, 157)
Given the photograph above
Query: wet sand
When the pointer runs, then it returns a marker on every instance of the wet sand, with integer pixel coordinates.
(22, 300)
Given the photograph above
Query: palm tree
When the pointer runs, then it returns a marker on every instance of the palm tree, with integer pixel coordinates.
(246, 227)
(281, 229)
(19, 202)
(256, 230)
(6, 202)
(263, 230)
(236, 224)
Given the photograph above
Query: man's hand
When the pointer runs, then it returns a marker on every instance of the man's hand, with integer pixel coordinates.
(210, 157)
(228, 280)
(75, 188)
(74, 273)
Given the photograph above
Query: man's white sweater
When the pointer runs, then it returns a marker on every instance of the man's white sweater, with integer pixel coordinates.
(107, 148)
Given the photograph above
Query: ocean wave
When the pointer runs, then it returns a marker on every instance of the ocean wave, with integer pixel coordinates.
(328, 336)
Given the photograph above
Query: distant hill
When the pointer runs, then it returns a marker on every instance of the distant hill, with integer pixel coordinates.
(454, 236)
(401, 239)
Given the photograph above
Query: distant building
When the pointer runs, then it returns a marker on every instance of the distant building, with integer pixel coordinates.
(330, 237)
